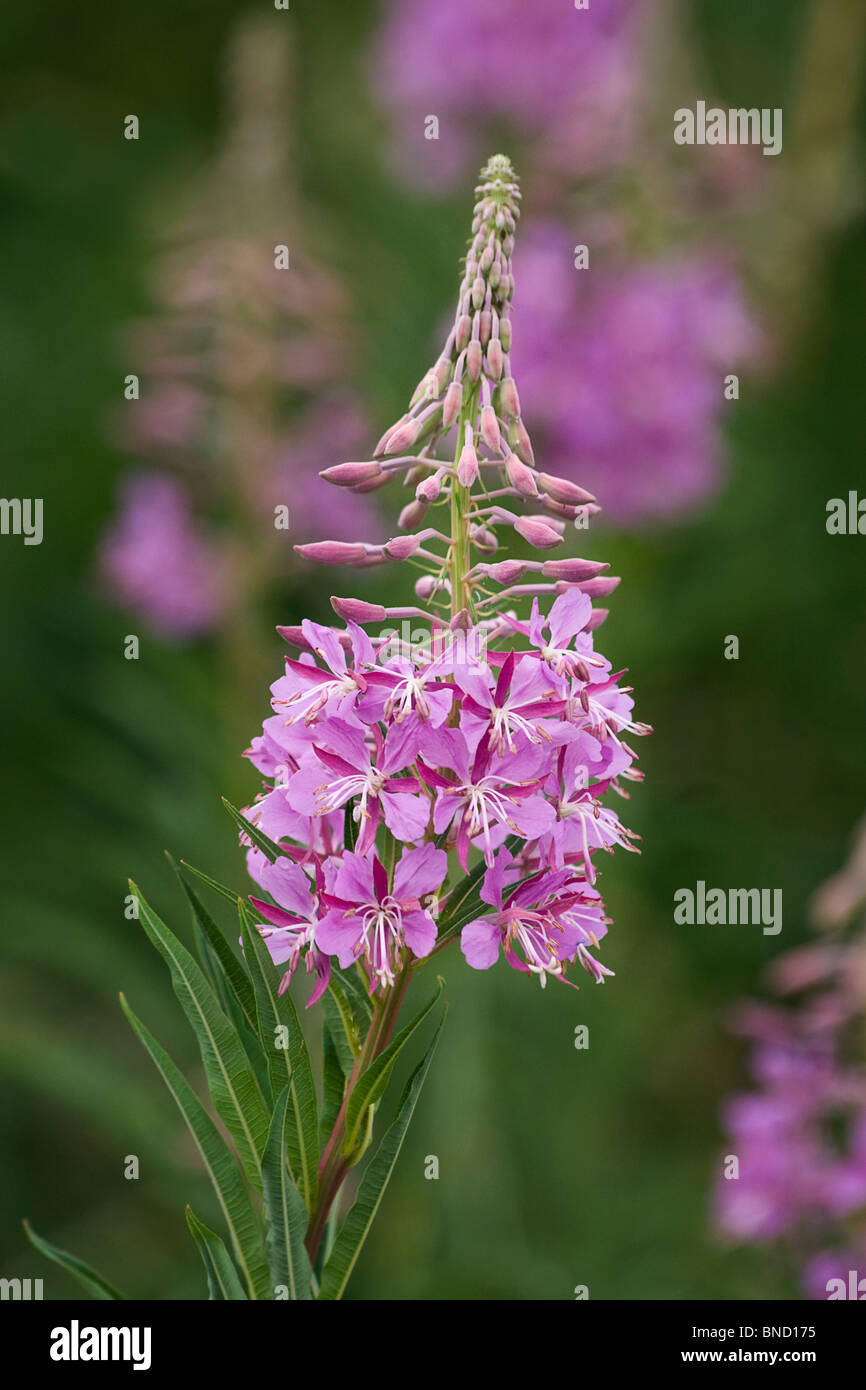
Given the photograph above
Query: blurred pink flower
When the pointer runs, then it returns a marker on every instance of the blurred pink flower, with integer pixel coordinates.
(561, 76)
(626, 371)
(159, 561)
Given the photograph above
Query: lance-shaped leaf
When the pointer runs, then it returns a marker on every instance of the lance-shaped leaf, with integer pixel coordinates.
(228, 893)
(222, 1169)
(232, 1084)
(222, 1277)
(261, 841)
(88, 1278)
(344, 1028)
(333, 1084)
(288, 1058)
(285, 1210)
(231, 967)
(353, 1232)
(371, 1085)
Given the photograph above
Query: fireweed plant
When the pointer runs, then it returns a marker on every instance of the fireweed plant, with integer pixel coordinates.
(444, 786)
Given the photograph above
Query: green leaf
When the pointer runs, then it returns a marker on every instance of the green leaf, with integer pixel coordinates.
(222, 1277)
(356, 1226)
(231, 966)
(333, 1084)
(278, 1020)
(87, 1277)
(267, 846)
(285, 1210)
(344, 1029)
(220, 888)
(222, 1169)
(232, 1083)
(356, 991)
(371, 1085)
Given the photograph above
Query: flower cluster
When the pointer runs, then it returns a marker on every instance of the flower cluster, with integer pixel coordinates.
(394, 757)
(800, 1136)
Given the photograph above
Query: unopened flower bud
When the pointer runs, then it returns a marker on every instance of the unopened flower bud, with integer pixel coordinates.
(428, 489)
(462, 332)
(402, 436)
(505, 333)
(484, 539)
(506, 571)
(562, 489)
(485, 325)
(538, 533)
(573, 570)
(333, 552)
(490, 432)
(520, 442)
(478, 289)
(473, 360)
(509, 397)
(467, 466)
(429, 585)
(357, 610)
(520, 477)
(494, 358)
(451, 405)
(401, 547)
(412, 515)
(351, 474)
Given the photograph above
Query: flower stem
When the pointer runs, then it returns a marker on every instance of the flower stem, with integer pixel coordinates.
(335, 1164)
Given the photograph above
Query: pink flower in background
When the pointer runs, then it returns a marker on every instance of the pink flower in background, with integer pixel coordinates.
(625, 369)
(559, 76)
(159, 561)
(800, 1134)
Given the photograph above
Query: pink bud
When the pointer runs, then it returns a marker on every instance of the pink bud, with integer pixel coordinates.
(478, 288)
(401, 547)
(505, 334)
(467, 467)
(490, 429)
(485, 323)
(573, 570)
(451, 405)
(429, 487)
(462, 332)
(599, 587)
(357, 610)
(520, 477)
(333, 552)
(509, 397)
(412, 515)
(562, 489)
(403, 435)
(494, 358)
(351, 474)
(428, 586)
(507, 571)
(473, 360)
(520, 442)
(597, 618)
(484, 539)
(295, 636)
(537, 532)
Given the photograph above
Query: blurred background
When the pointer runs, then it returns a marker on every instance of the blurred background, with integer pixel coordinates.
(154, 257)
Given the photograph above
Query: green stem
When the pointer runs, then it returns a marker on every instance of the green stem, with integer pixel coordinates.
(335, 1164)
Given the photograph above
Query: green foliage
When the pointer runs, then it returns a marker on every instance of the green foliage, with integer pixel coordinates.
(260, 1081)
